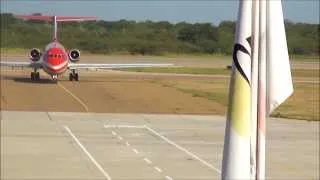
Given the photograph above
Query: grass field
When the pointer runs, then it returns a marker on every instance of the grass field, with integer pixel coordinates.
(215, 71)
(302, 104)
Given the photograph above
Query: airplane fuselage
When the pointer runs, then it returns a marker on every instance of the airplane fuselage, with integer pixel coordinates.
(55, 59)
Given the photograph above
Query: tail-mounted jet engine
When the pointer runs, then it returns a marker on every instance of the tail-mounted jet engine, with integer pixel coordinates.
(35, 54)
(74, 55)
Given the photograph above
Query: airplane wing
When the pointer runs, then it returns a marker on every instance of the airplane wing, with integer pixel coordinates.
(19, 64)
(115, 66)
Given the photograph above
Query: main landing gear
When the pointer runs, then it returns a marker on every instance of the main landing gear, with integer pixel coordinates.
(73, 75)
(35, 76)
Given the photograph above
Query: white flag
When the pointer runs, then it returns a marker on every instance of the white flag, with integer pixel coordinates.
(279, 81)
(260, 63)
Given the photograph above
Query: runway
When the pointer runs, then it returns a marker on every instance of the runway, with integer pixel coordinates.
(62, 145)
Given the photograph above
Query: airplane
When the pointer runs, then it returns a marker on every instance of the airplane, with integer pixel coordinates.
(55, 60)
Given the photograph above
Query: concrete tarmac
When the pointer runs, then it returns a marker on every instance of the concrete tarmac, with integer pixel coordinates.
(63, 145)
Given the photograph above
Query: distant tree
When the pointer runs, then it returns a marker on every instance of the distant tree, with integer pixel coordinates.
(146, 37)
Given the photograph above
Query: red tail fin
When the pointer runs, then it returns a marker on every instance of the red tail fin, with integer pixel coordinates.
(56, 19)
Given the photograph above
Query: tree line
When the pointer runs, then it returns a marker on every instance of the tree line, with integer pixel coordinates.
(145, 37)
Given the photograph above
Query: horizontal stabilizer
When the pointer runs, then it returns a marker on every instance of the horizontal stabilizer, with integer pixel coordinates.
(58, 18)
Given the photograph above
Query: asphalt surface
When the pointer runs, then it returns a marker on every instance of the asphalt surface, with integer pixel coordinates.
(42, 145)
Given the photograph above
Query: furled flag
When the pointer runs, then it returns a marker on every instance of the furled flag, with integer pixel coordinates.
(260, 82)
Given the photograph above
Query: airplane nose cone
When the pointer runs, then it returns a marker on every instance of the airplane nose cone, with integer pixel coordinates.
(55, 60)
(55, 56)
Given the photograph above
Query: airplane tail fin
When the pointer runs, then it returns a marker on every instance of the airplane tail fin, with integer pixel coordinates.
(56, 19)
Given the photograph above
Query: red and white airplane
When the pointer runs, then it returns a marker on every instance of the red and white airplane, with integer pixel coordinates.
(56, 60)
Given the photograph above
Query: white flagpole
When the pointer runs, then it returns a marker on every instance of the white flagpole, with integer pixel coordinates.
(236, 152)
(261, 128)
(254, 86)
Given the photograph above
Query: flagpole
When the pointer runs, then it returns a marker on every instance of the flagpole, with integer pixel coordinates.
(262, 90)
(254, 87)
(236, 152)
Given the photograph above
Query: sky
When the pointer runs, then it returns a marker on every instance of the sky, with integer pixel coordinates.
(212, 11)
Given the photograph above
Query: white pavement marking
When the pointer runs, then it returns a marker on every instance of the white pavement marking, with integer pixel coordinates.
(106, 175)
(158, 169)
(147, 160)
(114, 133)
(182, 149)
(123, 126)
(168, 178)
(135, 151)
(75, 97)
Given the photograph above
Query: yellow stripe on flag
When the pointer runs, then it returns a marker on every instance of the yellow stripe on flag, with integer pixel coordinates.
(239, 104)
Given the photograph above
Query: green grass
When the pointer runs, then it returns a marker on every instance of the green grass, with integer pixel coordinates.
(213, 71)
(219, 97)
(14, 50)
(311, 58)
(198, 55)
(306, 73)
(180, 70)
(302, 104)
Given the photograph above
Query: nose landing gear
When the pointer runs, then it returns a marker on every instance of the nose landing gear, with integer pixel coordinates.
(73, 75)
(55, 77)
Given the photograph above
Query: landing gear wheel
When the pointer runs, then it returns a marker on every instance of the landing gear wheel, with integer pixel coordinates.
(70, 77)
(76, 77)
(35, 76)
(73, 76)
(32, 76)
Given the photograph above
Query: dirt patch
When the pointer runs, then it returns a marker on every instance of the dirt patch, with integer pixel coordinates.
(106, 93)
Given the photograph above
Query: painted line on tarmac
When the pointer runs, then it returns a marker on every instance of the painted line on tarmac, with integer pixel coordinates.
(75, 97)
(147, 160)
(106, 175)
(114, 133)
(135, 151)
(158, 169)
(182, 149)
(124, 126)
(120, 138)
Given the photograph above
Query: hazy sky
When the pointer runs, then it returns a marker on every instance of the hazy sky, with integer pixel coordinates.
(213, 11)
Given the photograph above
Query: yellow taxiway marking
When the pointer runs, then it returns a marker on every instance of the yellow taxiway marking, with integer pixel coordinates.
(75, 97)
